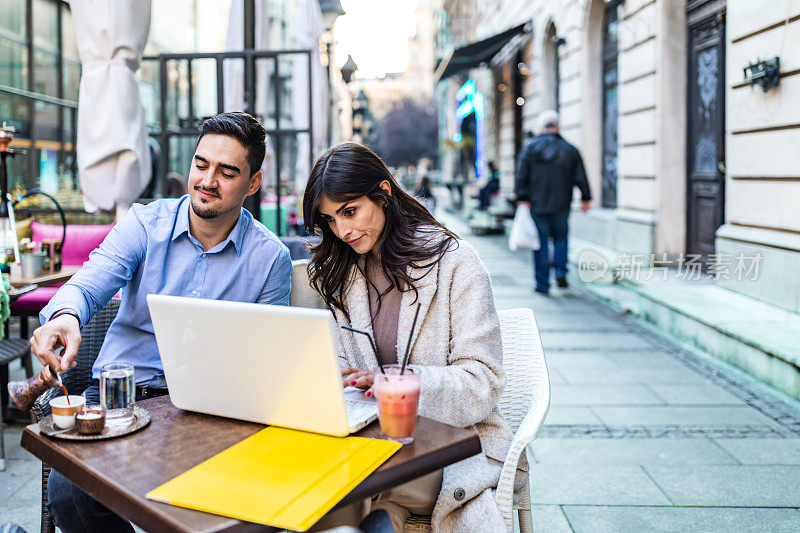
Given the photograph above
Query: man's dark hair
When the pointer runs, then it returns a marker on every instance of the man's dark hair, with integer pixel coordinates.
(245, 129)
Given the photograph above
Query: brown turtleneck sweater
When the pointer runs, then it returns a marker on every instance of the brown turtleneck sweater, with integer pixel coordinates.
(385, 315)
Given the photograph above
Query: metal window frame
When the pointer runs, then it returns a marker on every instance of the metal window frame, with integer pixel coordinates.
(33, 97)
(250, 57)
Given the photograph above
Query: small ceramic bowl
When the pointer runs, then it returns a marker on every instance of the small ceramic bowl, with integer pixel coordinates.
(63, 412)
(90, 421)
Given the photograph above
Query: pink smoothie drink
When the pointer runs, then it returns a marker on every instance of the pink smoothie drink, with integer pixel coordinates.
(397, 396)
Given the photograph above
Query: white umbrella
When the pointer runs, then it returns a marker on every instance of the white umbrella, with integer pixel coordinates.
(113, 155)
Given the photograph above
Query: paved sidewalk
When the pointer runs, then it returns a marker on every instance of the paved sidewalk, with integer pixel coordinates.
(643, 435)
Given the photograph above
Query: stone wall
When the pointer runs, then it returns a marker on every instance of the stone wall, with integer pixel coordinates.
(763, 159)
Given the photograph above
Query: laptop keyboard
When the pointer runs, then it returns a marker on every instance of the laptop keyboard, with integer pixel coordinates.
(360, 410)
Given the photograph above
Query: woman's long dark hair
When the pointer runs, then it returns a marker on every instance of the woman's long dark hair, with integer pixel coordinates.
(411, 237)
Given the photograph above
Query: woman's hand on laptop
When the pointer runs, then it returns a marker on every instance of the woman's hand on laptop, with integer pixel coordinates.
(63, 330)
(355, 377)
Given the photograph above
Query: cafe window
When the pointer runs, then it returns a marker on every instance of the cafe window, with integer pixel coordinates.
(39, 78)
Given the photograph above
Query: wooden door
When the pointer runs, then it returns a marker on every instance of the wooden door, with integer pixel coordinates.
(705, 132)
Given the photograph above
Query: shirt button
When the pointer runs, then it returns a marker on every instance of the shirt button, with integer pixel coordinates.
(204, 255)
(459, 494)
(194, 292)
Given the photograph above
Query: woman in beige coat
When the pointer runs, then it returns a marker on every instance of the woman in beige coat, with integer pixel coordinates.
(381, 254)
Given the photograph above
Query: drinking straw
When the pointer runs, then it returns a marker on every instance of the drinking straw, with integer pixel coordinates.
(408, 346)
(371, 343)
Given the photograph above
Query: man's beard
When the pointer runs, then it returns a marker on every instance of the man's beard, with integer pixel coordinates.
(205, 212)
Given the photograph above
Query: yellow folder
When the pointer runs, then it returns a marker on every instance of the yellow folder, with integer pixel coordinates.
(278, 477)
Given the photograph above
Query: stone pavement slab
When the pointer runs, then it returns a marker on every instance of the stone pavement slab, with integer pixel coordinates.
(597, 341)
(31, 489)
(550, 518)
(25, 513)
(590, 452)
(12, 435)
(557, 319)
(626, 519)
(695, 394)
(555, 377)
(735, 486)
(576, 375)
(644, 359)
(564, 415)
(18, 472)
(594, 485)
(586, 361)
(764, 451)
(588, 395)
(669, 415)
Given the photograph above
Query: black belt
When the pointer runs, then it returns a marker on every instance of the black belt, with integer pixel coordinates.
(144, 392)
(151, 392)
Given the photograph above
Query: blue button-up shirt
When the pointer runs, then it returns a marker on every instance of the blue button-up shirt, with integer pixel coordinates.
(151, 251)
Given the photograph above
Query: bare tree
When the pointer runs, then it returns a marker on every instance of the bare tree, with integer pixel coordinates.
(408, 132)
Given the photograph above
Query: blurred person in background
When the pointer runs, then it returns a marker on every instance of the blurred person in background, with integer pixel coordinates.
(548, 171)
(424, 193)
(491, 187)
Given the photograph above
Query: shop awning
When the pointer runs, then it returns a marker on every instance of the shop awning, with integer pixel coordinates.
(472, 55)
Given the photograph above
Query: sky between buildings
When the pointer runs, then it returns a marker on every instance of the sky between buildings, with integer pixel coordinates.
(375, 33)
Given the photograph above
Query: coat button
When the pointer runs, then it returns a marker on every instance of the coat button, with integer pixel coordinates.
(459, 494)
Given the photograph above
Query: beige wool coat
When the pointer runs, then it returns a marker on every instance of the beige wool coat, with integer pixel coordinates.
(457, 352)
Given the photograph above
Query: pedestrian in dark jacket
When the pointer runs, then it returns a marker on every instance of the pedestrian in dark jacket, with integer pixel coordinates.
(491, 187)
(549, 169)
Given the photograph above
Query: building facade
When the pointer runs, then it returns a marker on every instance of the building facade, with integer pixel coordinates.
(685, 156)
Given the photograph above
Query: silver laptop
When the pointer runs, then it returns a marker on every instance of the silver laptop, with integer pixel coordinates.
(270, 364)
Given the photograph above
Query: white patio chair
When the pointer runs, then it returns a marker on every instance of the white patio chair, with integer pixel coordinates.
(524, 405)
(303, 294)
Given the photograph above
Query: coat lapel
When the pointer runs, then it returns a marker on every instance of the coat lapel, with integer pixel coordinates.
(426, 289)
(357, 300)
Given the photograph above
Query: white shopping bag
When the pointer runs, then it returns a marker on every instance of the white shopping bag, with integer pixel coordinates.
(523, 234)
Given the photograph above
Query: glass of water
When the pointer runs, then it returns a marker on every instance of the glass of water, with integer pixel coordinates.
(117, 393)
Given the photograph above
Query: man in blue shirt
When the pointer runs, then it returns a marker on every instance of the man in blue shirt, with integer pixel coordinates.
(203, 245)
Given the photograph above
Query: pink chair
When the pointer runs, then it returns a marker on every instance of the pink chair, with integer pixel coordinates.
(79, 242)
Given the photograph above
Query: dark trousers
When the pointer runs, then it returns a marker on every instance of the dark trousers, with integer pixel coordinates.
(553, 226)
(75, 511)
(486, 192)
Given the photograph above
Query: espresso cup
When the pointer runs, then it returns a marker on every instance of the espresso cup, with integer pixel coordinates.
(63, 413)
(91, 421)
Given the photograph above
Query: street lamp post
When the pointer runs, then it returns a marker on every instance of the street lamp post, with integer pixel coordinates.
(331, 9)
(328, 43)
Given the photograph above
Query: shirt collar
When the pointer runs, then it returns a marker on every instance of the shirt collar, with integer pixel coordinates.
(182, 220)
(236, 235)
(238, 231)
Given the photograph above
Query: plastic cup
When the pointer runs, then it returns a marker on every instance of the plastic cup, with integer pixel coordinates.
(398, 397)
